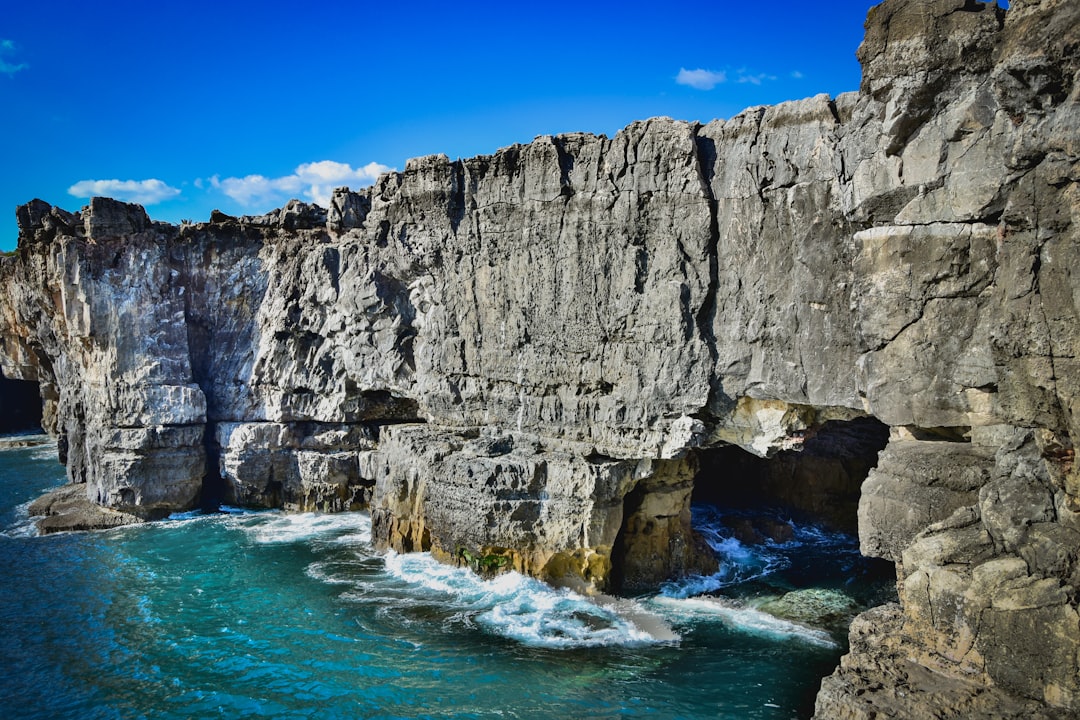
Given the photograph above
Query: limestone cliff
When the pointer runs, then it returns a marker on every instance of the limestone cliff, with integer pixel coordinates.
(519, 359)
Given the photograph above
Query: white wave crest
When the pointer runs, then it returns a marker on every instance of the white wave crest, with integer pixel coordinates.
(24, 526)
(742, 617)
(279, 528)
(524, 609)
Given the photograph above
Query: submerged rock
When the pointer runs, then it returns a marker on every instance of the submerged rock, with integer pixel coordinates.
(759, 530)
(824, 608)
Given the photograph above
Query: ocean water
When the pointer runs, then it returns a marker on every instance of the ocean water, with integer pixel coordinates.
(251, 615)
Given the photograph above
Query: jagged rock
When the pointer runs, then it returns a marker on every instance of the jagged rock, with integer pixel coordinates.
(303, 467)
(916, 484)
(553, 514)
(580, 319)
(877, 680)
(347, 210)
(108, 218)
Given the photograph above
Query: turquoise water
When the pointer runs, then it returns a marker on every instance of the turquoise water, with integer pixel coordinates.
(295, 616)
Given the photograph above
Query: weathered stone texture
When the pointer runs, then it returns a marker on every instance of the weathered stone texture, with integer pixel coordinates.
(514, 359)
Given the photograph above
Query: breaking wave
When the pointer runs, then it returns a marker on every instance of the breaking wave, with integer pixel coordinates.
(800, 583)
(742, 563)
(743, 617)
(341, 528)
(524, 609)
(415, 588)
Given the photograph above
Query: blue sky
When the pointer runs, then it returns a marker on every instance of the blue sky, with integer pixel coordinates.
(190, 106)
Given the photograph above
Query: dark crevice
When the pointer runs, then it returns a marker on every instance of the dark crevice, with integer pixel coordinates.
(641, 270)
(332, 262)
(213, 492)
(833, 109)
(199, 332)
(706, 316)
(959, 434)
(382, 234)
(457, 206)
(632, 502)
(566, 167)
(385, 408)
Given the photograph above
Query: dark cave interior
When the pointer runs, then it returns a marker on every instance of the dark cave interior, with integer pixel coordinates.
(20, 406)
(819, 483)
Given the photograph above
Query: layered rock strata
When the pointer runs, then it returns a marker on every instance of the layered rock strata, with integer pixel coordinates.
(516, 359)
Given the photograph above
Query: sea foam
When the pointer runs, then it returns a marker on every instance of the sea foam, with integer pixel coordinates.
(282, 528)
(524, 609)
(741, 617)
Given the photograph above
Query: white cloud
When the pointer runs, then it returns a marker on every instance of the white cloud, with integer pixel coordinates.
(144, 192)
(315, 181)
(251, 189)
(6, 48)
(700, 79)
(796, 74)
(755, 79)
(708, 79)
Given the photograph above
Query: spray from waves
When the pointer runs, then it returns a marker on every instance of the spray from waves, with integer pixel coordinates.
(274, 527)
(24, 525)
(754, 577)
(523, 609)
(742, 617)
(218, 514)
(739, 563)
(282, 528)
(742, 563)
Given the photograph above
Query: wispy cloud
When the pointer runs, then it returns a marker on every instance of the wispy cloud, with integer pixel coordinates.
(796, 75)
(754, 79)
(144, 192)
(700, 79)
(7, 47)
(315, 181)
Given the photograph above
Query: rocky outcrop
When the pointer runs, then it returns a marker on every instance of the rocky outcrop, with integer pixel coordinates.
(67, 509)
(520, 360)
(547, 509)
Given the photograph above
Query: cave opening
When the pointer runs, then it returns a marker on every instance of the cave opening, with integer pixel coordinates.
(784, 529)
(819, 483)
(21, 406)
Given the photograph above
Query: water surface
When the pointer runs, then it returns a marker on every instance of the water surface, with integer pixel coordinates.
(247, 615)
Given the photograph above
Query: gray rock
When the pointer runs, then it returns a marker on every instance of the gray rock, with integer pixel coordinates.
(916, 484)
(67, 509)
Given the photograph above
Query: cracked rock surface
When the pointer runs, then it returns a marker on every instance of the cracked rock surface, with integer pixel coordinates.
(517, 358)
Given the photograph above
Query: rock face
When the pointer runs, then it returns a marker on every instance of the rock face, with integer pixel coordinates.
(521, 360)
